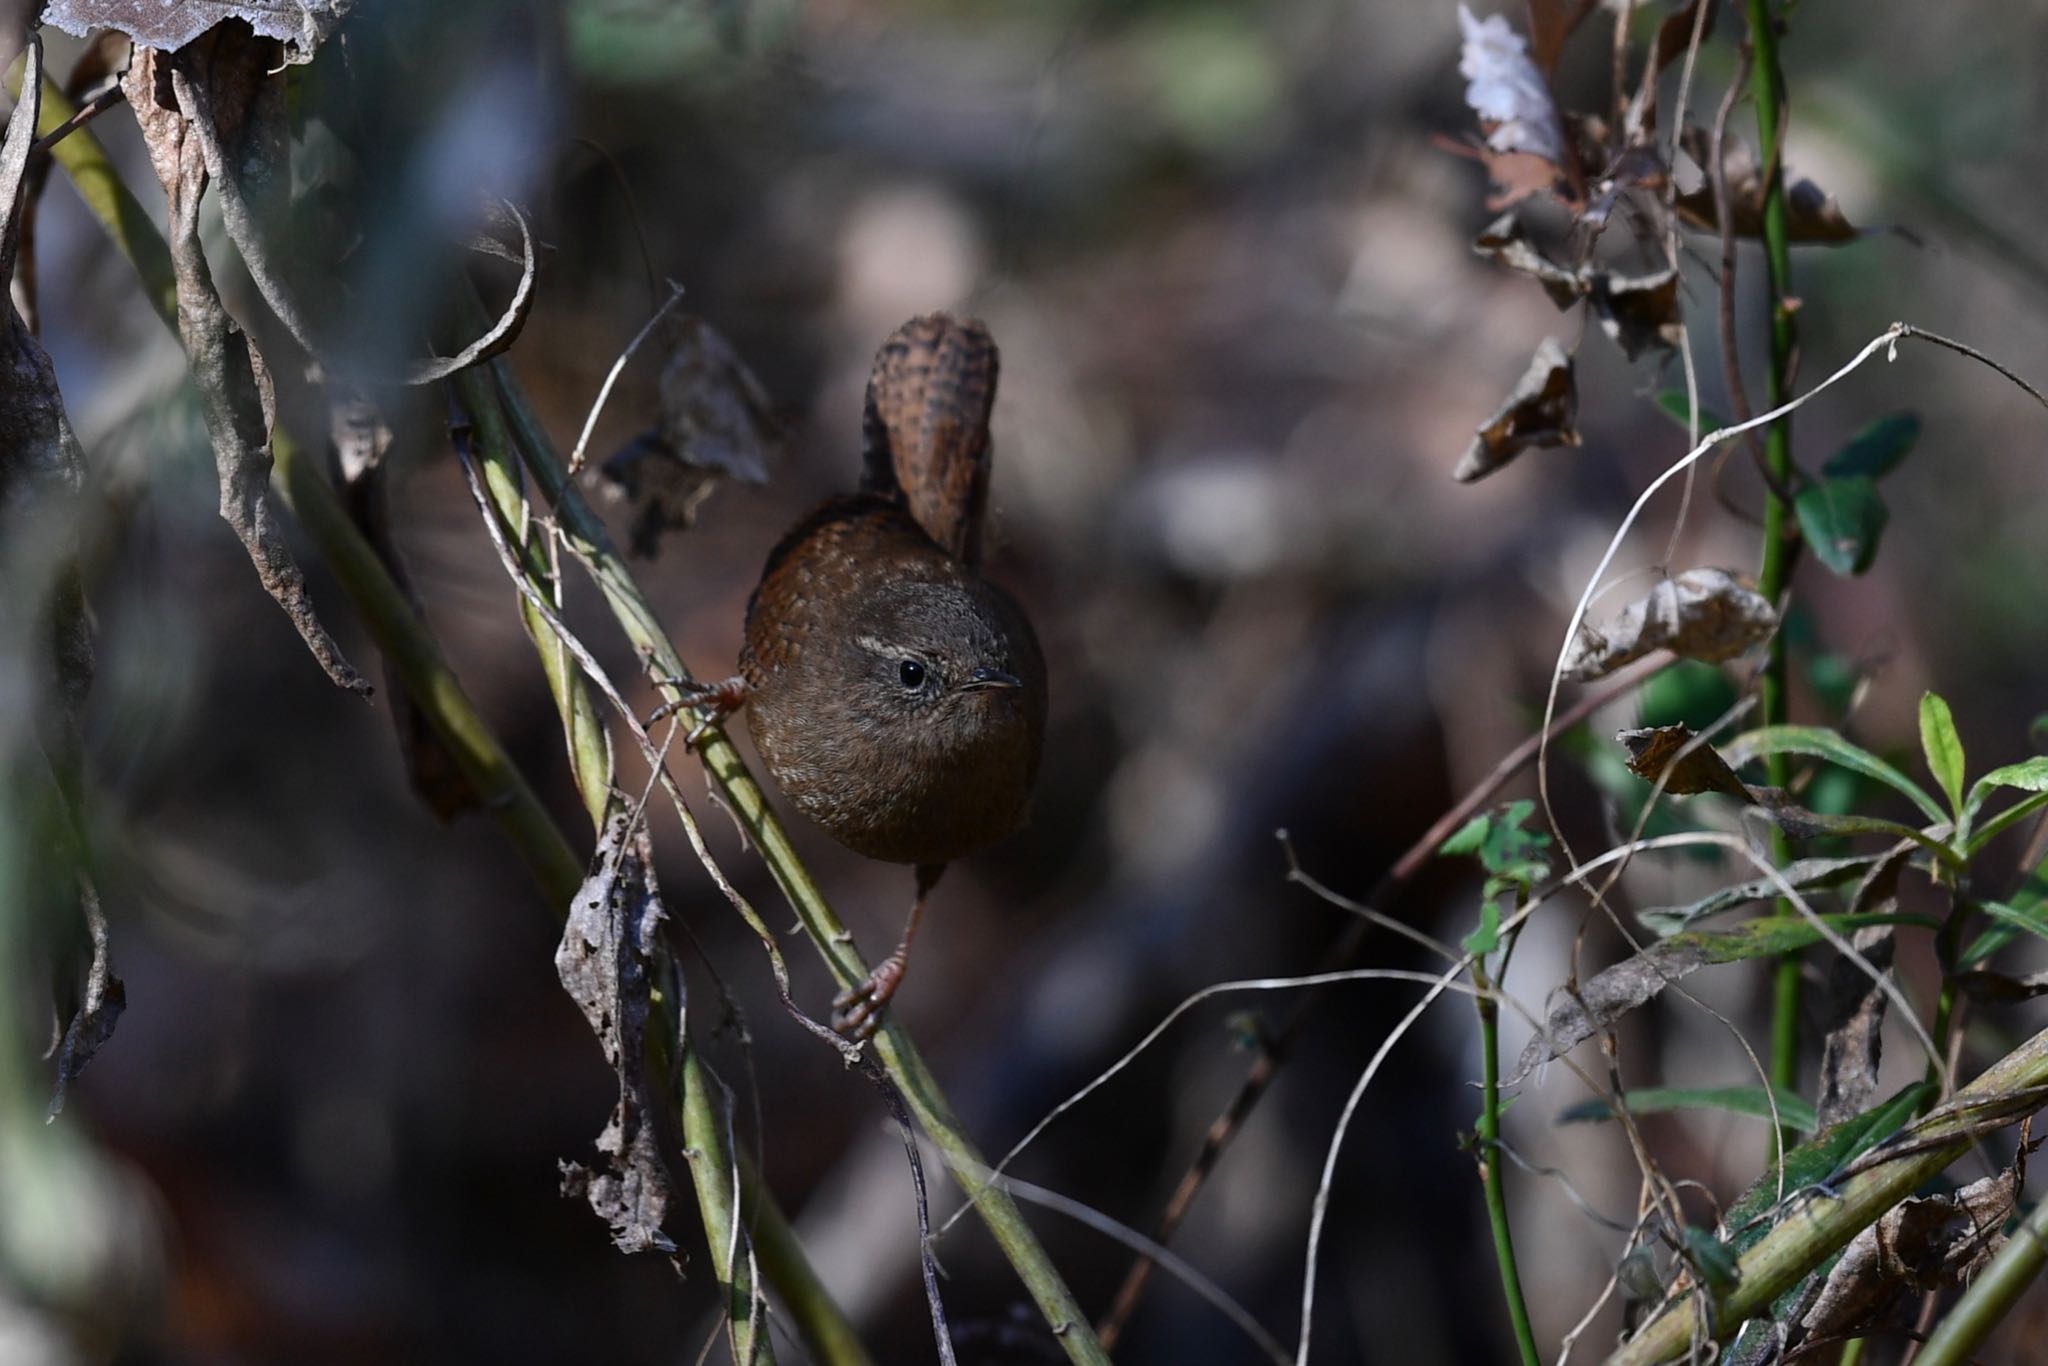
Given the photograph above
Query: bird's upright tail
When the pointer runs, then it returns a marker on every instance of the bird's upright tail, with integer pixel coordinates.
(926, 426)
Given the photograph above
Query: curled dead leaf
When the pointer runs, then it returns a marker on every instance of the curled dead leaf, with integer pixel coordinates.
(234, 387)
(1538, 412)
(715, 423)
(609, 946)
(1683, 762)
(1705, 614)
(1811, 214)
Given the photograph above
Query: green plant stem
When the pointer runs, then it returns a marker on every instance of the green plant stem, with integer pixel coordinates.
(416, 657)
(1494, 1169)
(1821, 1222)
(719, 1196)
(1779, 549)
(591, 542)
(1991, 1296)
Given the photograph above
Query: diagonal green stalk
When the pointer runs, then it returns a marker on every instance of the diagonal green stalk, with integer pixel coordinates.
(1780, 549)
(416, 656)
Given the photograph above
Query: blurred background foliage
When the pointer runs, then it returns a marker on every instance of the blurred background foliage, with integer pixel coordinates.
(1243, 342)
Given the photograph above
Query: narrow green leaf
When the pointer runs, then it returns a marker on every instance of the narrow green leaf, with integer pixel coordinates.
(1842, 520)
(1671, 402)
(2028, 776)
(1944, 749)
(1877, 449)
(2003, 821)
(2013, 920)
(1817, 1161)
(1818, 743)
(1486, 938)
(1753, 1101)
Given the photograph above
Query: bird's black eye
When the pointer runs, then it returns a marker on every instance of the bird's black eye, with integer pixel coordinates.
(912, 674)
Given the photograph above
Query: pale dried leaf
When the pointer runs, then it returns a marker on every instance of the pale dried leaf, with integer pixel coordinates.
(1505, 89)
(301, 25)
(609, 945)
(1854, 1046)
(225, 367)
(1538, 412)
(1705, 614)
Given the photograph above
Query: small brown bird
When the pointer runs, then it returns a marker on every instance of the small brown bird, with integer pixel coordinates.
(897, 696)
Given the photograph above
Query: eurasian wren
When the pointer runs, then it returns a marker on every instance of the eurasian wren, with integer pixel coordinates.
(897, 696)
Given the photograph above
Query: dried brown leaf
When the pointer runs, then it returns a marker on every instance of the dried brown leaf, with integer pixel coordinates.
(609, 946)
(1918, 1246)
(1538, 412)
(1854, 1046)
(1706, 614)
(1684, 763)
(98, 1007)
(1811, 214)
(1637, 312)
(234, 390)
(301, 25)
(1505, 240)
(715, 423)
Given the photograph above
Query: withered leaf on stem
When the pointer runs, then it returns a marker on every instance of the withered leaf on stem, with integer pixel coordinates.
(1538, 412)
(301, 25)
(1505, 240)
(1919, 1245)
(1660, 753)
(608, 948)
(715, 423)
(1705, 614)
(1811, 214)
(1637, 312)
(234, 390)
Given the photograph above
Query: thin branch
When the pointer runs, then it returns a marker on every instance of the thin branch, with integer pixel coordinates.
(604, 391)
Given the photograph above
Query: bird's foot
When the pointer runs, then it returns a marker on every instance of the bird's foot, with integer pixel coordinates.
(717, 701)
(857, 1011)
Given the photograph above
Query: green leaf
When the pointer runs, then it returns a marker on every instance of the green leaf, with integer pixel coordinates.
(1818, 1160)
(2004, 821)
(2012, 922)
(1741, 1100)
(1671, 402)
(1469, 837)
(1944, 749)
(1842, 519)
(1876, 450)
(2028, 776)
(1713, 1260)
(1805, 875)
(1826, 744)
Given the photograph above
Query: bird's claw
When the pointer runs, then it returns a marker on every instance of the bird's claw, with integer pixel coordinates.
(857, 1011)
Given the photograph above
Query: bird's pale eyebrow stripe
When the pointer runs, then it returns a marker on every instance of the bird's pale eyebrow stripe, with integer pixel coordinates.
(877, 645)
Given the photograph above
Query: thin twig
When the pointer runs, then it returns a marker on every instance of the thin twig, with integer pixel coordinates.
(85, 113)
(894, 1100)
(604, 391)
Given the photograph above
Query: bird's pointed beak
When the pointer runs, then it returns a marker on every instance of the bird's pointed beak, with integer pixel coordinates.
(991, 678)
